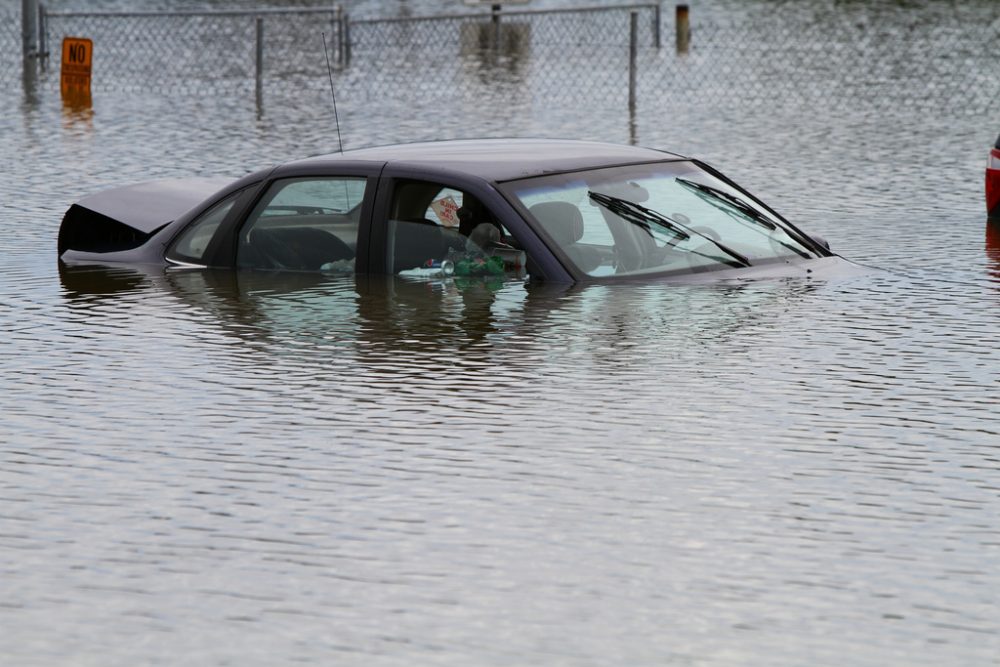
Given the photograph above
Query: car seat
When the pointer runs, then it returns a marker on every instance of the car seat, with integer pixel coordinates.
(298, 248)
(564, 223)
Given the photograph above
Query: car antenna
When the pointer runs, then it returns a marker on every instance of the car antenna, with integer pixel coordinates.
(329, 71)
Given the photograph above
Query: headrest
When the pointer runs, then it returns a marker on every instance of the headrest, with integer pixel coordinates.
(483, 237)
(561, 220)
(628, 190)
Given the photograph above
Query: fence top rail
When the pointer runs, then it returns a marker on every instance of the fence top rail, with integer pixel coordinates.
(579, 10)
(508, 12)
(334, 9)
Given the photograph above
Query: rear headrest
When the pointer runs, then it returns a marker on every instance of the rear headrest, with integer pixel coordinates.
(483, 237)
(562, 220)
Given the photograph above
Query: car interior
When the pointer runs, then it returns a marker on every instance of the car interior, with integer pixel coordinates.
(429, 222)
(304, 225)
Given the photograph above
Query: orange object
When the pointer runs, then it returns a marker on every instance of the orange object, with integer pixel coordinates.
(77, 56)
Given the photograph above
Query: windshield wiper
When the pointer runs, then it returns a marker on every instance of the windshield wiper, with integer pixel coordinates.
(731, 201)
(639, 214)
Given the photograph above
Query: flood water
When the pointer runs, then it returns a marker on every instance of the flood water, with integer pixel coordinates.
(220, 469)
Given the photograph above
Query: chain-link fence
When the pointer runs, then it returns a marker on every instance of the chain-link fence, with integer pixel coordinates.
(10, 48)
(582, 58)
(509, 58)
(205, 53)
(516, 59)
(830, 65)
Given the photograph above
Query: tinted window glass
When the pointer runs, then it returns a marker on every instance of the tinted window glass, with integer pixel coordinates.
(190, 246)
(439, 229)
(304, 224)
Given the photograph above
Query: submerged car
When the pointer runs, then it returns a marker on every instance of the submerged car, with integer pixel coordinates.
(564, 211)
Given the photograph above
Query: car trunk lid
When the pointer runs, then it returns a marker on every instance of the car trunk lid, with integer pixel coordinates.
(125, 217)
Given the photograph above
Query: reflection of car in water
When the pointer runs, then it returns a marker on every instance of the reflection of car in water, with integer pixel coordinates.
(372, 314)
(259, 307)
(993, 182)
(559, 211)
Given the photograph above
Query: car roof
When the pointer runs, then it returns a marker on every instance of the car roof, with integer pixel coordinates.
(499, 159)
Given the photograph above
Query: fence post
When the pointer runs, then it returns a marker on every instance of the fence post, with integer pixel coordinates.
(495, 12)
(633, 28)
(657, 20)
(338, 19)
(259, 88)
(29, 29)
(40, 29)
(683, 23)
(43, 36)
(347, 40)
(29, 46)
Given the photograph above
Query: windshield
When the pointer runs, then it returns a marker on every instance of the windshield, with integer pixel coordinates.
(669, 216)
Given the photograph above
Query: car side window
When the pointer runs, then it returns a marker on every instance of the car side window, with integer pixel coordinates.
(190, 246)
(432, 226)
(304, 224)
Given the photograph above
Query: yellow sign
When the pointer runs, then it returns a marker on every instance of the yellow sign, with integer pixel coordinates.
(77, 53)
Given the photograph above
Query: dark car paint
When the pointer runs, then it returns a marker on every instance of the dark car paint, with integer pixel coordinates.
(147, 206)
(148, 211)
(459, 165)
(151, 252)
(508, 159)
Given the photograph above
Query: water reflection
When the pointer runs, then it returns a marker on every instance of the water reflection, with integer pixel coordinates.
(83, 284)
(373, 313)
(78, 114)
(279, 437)
(993, 249)
(381, 310)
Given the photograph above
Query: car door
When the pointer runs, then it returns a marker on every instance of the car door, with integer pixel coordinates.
(313, 220)
(302, 218)
(422, 220)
